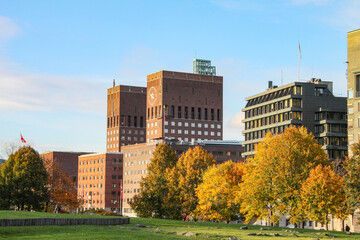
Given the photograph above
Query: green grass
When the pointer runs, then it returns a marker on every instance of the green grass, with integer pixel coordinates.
(168, 227)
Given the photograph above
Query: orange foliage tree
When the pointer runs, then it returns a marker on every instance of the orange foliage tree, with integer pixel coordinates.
(272, 178)
(217, 192)
(322, 194)
(63, 192)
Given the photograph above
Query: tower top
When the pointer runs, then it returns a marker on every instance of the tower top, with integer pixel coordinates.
(202, 66)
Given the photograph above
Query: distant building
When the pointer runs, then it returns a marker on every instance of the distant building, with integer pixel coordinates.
(353, 86)
(2, 161)
(138, 156)
(100, 179)
(66, 161)
(184, 106)
(126, 108)
(201, 66)
(309, 104)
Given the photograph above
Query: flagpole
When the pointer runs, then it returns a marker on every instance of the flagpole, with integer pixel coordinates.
(299, 63)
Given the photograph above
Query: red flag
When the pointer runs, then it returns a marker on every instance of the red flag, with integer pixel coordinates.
(22, 139)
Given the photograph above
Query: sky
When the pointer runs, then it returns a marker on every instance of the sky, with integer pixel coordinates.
(57, 58)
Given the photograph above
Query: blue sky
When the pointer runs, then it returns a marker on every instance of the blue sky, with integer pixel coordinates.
(57, 58)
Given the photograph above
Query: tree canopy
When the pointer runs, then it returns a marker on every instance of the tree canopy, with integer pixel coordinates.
(23, 179)
(217, 192)
(273, 177)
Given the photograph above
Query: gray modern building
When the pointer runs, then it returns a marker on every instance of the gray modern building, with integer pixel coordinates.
(309, 104)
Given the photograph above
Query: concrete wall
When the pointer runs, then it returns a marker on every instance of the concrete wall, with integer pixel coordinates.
(63, 221)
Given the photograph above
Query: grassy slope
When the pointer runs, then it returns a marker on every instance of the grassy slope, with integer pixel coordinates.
(218, 231)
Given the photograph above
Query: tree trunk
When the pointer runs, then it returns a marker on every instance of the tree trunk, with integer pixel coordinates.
(342, 225)
(326, 226)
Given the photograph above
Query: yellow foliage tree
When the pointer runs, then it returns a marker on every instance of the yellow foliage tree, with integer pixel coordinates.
(185, 177)
(321, 194)
(217, 192)
(273, 177)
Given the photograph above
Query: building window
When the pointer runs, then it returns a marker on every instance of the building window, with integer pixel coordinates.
(357, 85)
(129, 121)
(350, 94)
(351, 110)
(206, 114)
(172, 111)
(179, 111)
(212, 114)
(186, 112)
(199, 113)
(192, 113)
(218, 114)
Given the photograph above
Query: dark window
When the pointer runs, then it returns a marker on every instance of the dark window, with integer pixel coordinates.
(192, 113)
(357, 85)
(135, 121)
(108, 122)
(172, 113)
(152, 113)
(156, 112)
(212, 114)
(199, 113)
(117, 120)
(113, 176)
(206, 114)
(186, 112)
(218, 114)
(179, 112)
(119, 176)
(148, 117)
(129, 121)
(141, 122)
(113, 193)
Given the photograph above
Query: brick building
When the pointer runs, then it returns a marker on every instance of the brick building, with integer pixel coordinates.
(184, 106)
(66, 161)
(138, 156)
(125, 116)
(100, 180)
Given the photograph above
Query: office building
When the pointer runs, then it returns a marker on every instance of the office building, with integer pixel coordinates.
(137, 158)
(100, 181)
(309, 104)
(353, 86)
(201, 66)
(125, 116)
(65, 161)
(184, 106)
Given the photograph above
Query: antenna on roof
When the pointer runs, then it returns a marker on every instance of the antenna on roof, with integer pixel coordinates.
(113, 82)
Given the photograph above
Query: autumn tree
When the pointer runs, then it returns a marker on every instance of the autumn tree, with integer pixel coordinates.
(23, 178)
(321, 194)
(62, 191)
(217, 192)
(185, 177)
(351, 185)
(273, 177)
(155, 186)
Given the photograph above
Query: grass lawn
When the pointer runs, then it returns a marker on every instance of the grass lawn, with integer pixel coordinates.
(160, 229)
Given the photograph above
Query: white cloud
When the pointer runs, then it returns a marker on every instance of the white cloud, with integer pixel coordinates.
(37, 92)
(8, 28)
(233, 126)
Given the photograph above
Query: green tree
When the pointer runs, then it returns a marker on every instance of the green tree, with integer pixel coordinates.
(185, 177)
(273, 177)
(217, 192)
(24, 179)
(154, 187)
(321, 194)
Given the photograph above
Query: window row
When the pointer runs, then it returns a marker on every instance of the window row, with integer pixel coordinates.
(294, 102)
(91, 177)
(330, 116)
(192, 132)
(185, 112)
(333, 128)
(98, 169)
(273, 119)
(262, 133)
(124, 131)
(296, 90)
(130, 121)
(132, 172)
(91, 161)
(336, 141)
(186, 124)
(139, 162)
